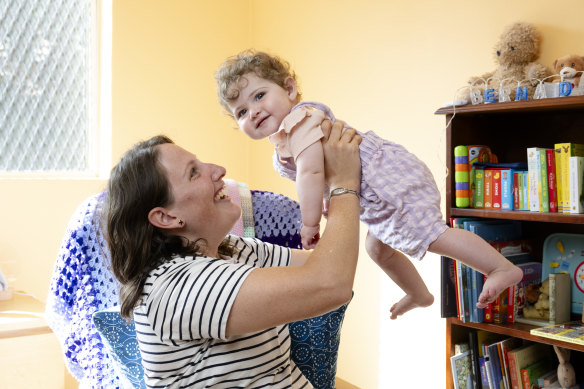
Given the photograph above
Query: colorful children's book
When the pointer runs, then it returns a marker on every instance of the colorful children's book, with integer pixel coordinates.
(564, 151)
(516, 192)
(576, 167)
(488, 197)
(507, 193)
(461, 373)
(572, 332)
(530, 374)
(479, 188)
(531, 276)
(525, 188)
(552, 184)
(497, 189)
(495, 230)
(543, 180)
(506, 346)
(534, 184)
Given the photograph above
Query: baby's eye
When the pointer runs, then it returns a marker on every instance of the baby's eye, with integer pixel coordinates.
(260, 95)
(241, 113)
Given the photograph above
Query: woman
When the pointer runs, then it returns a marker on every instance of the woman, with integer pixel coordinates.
(211, 310)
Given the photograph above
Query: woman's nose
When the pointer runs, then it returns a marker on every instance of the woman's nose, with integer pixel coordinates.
(218, 172)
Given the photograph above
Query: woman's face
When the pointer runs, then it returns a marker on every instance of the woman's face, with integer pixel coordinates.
(199, 196)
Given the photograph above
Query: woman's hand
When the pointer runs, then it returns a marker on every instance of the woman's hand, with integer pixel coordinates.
(341, 156)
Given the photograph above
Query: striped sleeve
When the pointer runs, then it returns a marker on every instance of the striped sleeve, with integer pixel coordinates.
(254, 252)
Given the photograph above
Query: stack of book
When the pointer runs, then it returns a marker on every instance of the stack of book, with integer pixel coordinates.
(491, 360)
(555, 178)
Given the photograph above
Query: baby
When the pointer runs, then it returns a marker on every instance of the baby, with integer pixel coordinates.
(400, 203)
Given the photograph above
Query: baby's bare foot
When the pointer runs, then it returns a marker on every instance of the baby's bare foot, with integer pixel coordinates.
(497, 281)
(410, 302)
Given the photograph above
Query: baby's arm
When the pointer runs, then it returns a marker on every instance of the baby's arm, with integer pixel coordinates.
(310, 186)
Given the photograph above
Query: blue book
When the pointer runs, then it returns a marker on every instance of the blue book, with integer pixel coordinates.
(495, 230)
(484, 377)
(507, 201)
(493, 352)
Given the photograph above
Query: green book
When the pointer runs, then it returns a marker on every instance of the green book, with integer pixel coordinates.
(543, 180)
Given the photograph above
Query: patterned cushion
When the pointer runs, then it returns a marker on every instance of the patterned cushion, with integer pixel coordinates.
(119, 339)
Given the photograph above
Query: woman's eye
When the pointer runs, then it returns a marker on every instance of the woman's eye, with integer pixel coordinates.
(193, 172)
(241, 113)
(260, 95)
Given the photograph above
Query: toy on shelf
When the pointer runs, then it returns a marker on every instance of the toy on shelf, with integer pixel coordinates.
(516, 54)
(461, 179)
(566, 373)
(570, 68)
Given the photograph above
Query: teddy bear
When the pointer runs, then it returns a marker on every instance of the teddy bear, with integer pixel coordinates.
(541, 307)
(570, 67)
(516, 53)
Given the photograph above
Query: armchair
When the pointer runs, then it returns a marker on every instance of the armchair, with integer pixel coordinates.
(101, 349)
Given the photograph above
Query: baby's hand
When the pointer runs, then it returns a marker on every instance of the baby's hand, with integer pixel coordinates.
(310, 236)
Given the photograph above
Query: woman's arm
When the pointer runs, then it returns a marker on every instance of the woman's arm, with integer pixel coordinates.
(273, 296)
(310, 187)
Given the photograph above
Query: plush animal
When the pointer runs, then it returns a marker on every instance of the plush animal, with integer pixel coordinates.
(540, 309)
(516, 53)
(566, 372)
(570, 67)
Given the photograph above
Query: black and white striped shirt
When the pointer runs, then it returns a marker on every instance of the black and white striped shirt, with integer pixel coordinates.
(182, 319)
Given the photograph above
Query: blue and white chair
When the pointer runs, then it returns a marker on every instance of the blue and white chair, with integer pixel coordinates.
(100, 348)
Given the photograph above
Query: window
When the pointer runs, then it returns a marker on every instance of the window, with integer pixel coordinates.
(49, 91)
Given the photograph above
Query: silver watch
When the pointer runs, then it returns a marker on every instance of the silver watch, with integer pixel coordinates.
(341, 191)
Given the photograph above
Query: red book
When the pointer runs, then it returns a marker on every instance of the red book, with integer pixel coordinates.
(488, 189)
(552, 182)
(496, 189)
(516, 190)
(511, 304)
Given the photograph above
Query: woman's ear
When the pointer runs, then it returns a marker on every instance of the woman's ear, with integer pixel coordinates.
(291, 88)
(159, 217)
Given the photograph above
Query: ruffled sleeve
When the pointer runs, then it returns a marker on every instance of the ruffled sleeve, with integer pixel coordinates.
(298, 130)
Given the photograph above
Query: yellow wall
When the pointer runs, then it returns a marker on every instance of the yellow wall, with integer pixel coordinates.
(383, 65)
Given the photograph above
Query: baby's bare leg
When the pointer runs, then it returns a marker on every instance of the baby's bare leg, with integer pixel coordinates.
(475, 252)
(401, 270)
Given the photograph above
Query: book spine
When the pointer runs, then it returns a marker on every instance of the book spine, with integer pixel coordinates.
(533, 177)
(525, 378)
(507, 197)
(576, 167)
(543, 180)
(479, 188)
(552, 185)
(559, 185)
(568, 150)
(516, 191)
(484, 377)
(525, 188)
(497, 189)
(513, 371)
(488, 197)
(511, 304)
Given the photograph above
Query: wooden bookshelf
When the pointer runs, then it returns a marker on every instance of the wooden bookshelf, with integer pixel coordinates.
(509, 129)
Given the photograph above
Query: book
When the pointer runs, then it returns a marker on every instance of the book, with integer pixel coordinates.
(479, 188)
(576, 167)
(522, 357)
(447, 288)
(525, 187)
(507, 189)
(460, 365)
(572, 332)
(552, 185)
(488, 197)
(473, 345)
(496, 189)
(500, 308)
(516, 191)
(530, 374)
(548, 378)
(559, 193)
(495, 230)
(506, 346)
(495, 364)
(531, 276)
(534, 185)
(543, 180)
(484, 375)
(565, 151)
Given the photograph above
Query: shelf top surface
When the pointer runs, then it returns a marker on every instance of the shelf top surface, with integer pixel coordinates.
(558, 104)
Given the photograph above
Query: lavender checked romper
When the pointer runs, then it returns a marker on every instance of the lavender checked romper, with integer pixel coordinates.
(400, 203)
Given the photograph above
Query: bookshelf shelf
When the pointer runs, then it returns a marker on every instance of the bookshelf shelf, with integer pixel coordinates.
(509, 129)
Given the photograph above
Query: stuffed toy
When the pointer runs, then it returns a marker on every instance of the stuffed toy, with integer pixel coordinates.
(541, 308)
(571, 68)
(515, 54)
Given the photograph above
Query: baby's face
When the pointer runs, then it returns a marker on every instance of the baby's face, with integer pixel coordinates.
(262, 105)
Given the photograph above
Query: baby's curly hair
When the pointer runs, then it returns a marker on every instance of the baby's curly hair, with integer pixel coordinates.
(263, 65)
